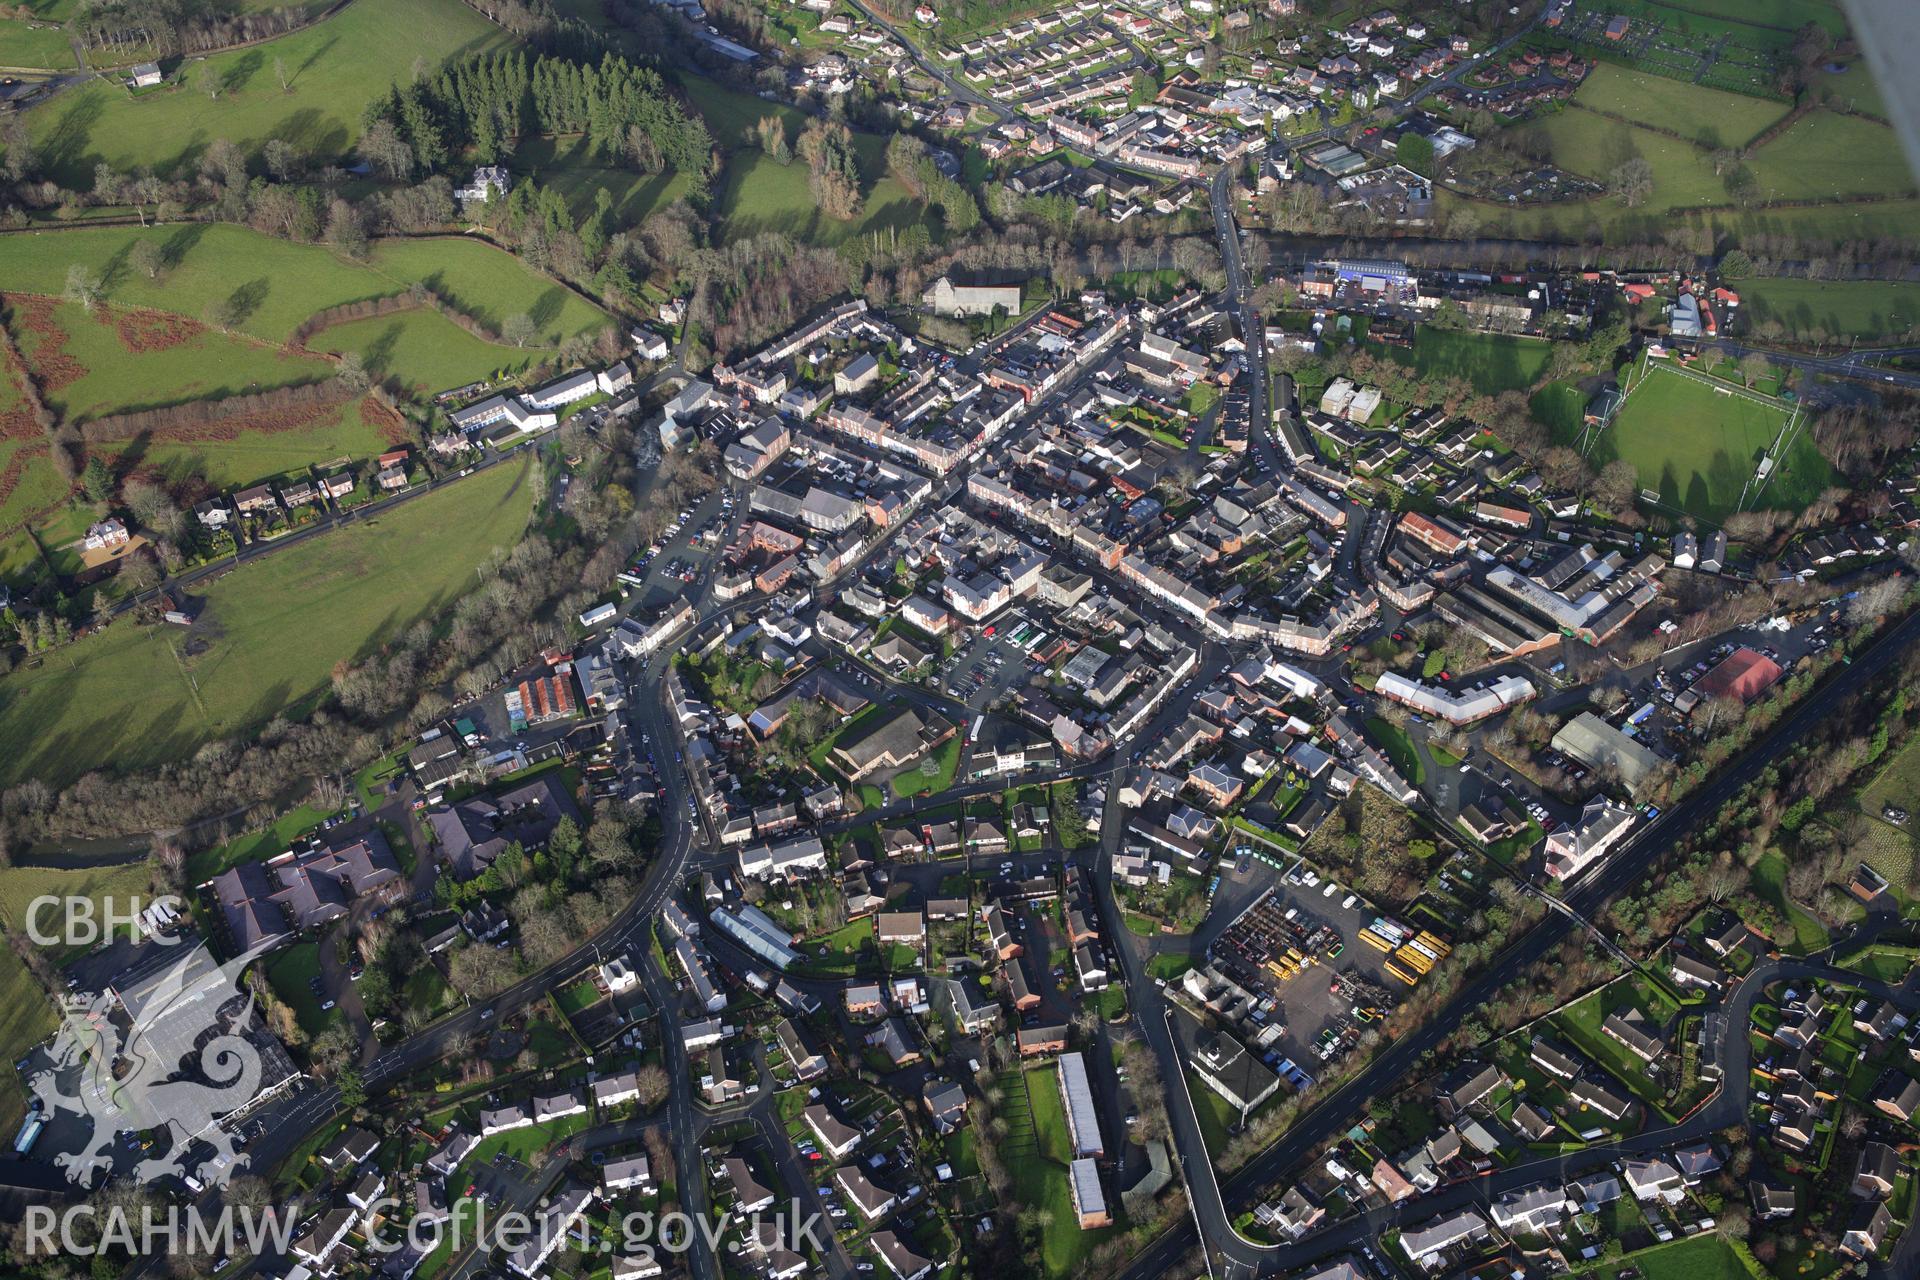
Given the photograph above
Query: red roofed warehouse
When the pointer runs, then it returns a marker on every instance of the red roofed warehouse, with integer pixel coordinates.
(1742, 674)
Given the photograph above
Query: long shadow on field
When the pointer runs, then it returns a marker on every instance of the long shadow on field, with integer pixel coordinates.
(246, 300)
(311, 131)
(64, 148)
(546, 308)
(244, 68)
(378, 356)
(320, 51)
(115, 269)
(181, 243)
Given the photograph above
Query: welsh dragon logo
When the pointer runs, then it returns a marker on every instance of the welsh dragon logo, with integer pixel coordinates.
(168, 1053)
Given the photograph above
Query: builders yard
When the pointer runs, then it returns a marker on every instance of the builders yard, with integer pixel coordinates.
(1314, 949)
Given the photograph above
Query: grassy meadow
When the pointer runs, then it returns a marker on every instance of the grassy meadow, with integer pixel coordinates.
(1830, 175)
(332, 70)
(1491, 362)
(1665, 103)
(276, 283)
(268, 638)
(114, 377)
(488, 284)
(358, 430)
(423, 349)
(1869, 310)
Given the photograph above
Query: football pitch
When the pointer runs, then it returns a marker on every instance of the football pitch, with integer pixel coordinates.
(1696, 442)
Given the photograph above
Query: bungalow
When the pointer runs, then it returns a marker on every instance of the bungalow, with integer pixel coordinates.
(614, 1090)
(1689, 972)
(872, 1201)
(1866, 1230)
(257, 499)
(1654, 1179)
(1897, 1095)
(1425, 1246)
(905, 928)
(1034, 1041)
(1530, 1210)
(837, 1138)
(1594, 1096)
(1771, 1199)
(1883, 1023)
(1728, 940)
(1632, 1030)
(902, 1261)
(502, 1119)
(355, 1146)
(1471, 1086)
(806, 1064)
(864, 1000)
(973, 1009)
(893, 1042)
(1875, 1172)
(1533, 1123)
(946, 1103)
(630, 1171)
(1556, 1062)
(751, 1196)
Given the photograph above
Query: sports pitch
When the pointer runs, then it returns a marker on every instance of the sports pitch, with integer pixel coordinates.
(1696, 442)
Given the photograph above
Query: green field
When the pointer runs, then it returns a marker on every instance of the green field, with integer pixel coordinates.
(131, 697)
(1698, 447)
(1853, 87)
(20, 887)
(730, 114)
(26, 1018)
(1891, 850)
(1702, 1257)
(30, 48)
(758, 194)
(279, 283)
(1591, 144)
(37, 487)
(117, 378)
(1492, 363)
(1784, 15)
(565, 165)
(1664, 103)
(1822, 158)
(1870, 310)
(424, 349)
(488, 284)
(334, 68)
(1823, 155)
(356, 430)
